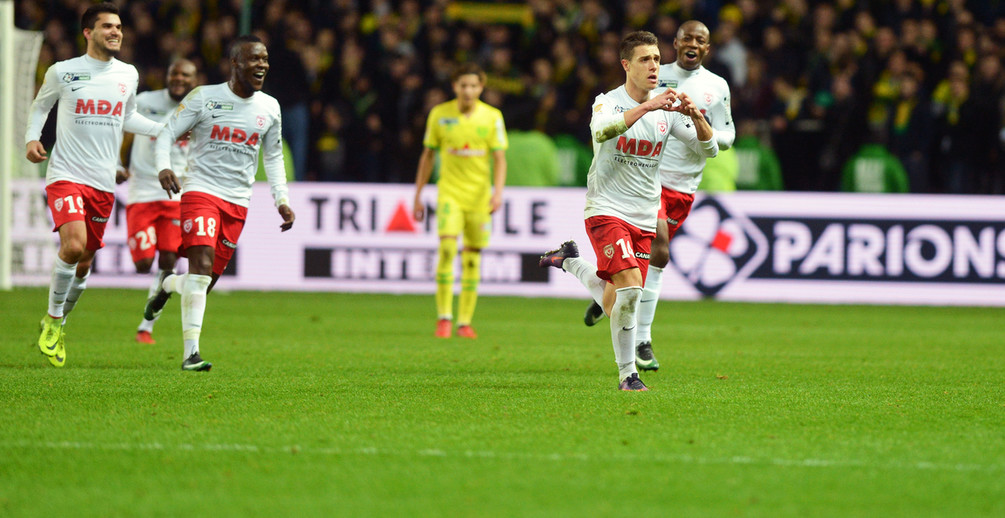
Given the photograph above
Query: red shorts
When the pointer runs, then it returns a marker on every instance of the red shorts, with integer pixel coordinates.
(619, 246)
(153, 226)
(674, 208)
(210, 221)
(70, 201)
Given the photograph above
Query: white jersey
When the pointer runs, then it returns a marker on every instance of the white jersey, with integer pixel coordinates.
(227, 132)
(681, 167)
(97, 101)
(144, 186)
(624, 177)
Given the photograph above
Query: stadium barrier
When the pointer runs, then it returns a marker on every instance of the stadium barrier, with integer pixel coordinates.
(743, 246)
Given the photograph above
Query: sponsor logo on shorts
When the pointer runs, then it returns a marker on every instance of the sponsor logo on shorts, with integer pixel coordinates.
(672, 222)
(176, 222)
(99, 219)
(228, 244)
(642, 255)
(609, 251)
(187, 226)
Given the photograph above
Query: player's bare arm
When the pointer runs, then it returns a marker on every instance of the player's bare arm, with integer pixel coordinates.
(169, 182)
(664, 101)
(36, 152)
(288, 216)
(499, 157)
(422, 175)
(122, 171)
(701, 125)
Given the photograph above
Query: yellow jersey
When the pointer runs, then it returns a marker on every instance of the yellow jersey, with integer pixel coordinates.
(465, 143)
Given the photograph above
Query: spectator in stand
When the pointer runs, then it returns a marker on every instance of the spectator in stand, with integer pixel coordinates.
(343, 44)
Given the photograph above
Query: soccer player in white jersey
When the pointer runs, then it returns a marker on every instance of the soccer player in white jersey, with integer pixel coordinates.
(153, 220)
(97, 102)
(631, 129)
(229, 122)
(680, 170)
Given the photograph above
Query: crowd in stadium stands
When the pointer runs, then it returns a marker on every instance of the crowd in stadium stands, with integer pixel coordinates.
(815, 81)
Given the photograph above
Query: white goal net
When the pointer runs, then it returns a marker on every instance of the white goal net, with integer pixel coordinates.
(19, 51)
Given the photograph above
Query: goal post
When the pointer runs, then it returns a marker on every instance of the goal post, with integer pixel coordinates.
(19, 51)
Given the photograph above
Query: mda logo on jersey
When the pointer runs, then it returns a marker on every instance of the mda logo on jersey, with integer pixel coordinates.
(716, 246)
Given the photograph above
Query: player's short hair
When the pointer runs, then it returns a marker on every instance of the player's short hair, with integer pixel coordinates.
(90, 16)
(466, 69)
(235, 46)
(636, 39)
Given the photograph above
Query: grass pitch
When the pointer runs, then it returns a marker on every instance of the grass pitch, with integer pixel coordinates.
(345, 405)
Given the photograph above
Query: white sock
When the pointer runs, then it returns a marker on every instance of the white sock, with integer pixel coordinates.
(77, 287)
(173, 283)
(647, 306)
(623, 324)
(587, 275)
(147, 325)
(59, 285)
(193, 308)
(155, 287)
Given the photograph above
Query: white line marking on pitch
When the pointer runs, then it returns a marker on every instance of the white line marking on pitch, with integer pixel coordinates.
(487, 454)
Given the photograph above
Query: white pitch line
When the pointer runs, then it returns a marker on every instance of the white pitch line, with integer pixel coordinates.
(488, 454)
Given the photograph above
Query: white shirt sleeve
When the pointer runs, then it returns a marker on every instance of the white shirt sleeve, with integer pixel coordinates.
(47, 96)
(722, 120)
(606, 123)
(272, 159)
(182, 120)
(683, 130)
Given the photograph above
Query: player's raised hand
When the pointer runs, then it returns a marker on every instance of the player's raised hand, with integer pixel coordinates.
(687, 106)
(169, 182)
(663, 101)
(288, 216)
(36, 152)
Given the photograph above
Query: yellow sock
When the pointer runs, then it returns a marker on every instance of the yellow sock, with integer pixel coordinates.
(445, 278)
(471, 274)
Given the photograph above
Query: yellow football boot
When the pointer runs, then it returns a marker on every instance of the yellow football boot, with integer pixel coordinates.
(50, 335)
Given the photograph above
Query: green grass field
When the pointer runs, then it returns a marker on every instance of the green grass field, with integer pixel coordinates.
(345, 405)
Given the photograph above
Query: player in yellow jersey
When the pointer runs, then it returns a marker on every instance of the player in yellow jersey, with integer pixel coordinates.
(468, 134)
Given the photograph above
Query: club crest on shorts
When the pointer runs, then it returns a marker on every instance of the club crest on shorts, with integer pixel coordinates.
(58, 204)
(609, 251)
(187, 226)
(260, 122)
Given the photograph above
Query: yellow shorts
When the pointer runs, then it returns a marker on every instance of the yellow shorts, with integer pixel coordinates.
(453, 220)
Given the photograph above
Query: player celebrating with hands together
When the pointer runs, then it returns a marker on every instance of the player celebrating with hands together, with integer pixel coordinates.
(630, 130)
(680, 170)
(229, 122)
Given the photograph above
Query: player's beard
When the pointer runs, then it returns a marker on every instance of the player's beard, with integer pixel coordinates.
(103, 48)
